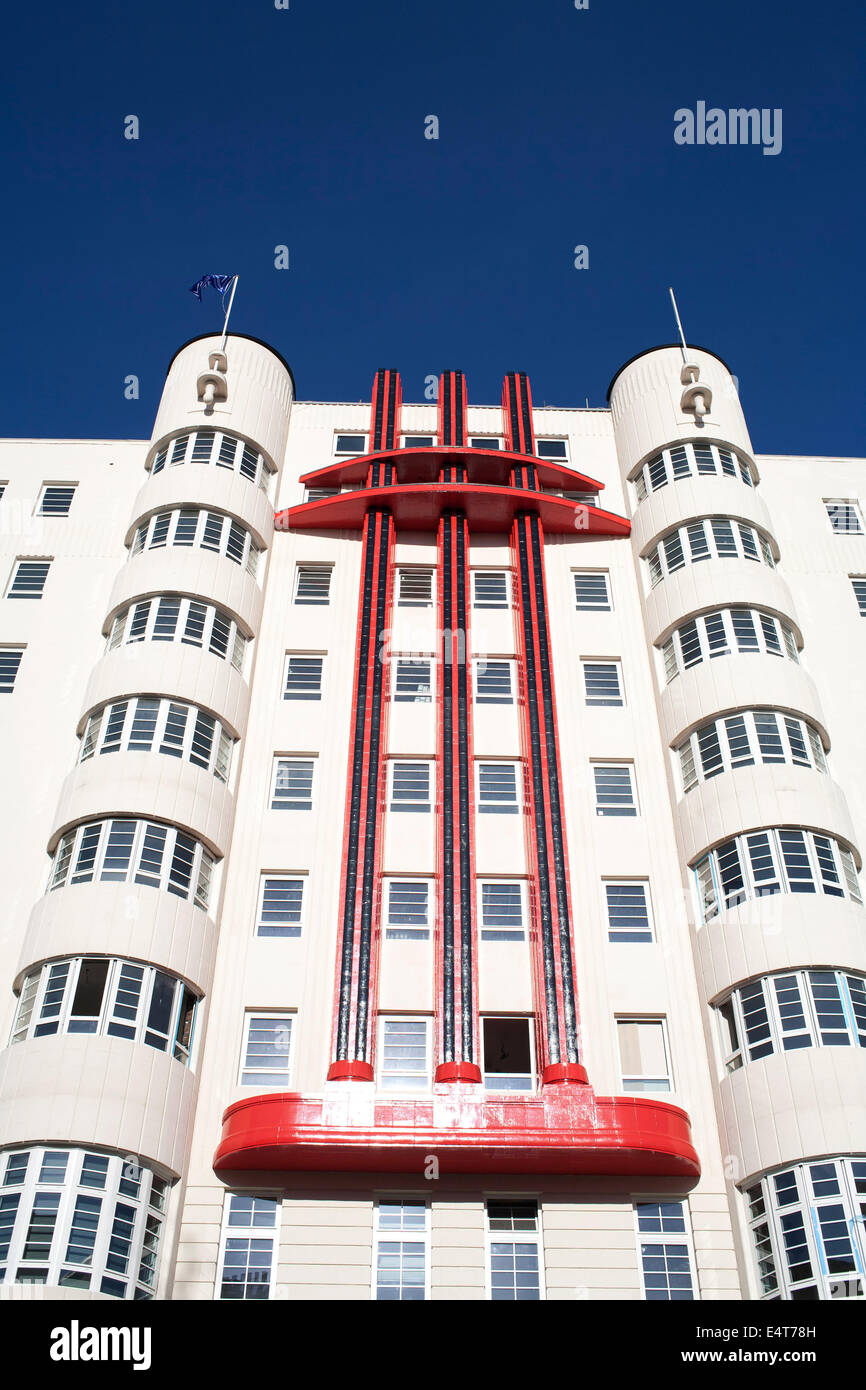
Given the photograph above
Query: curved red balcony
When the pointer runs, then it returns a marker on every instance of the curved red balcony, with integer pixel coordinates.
(565, 1129)
(417, 507)
(425, 466)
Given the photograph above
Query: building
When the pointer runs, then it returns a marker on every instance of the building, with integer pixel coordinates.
(450, 888)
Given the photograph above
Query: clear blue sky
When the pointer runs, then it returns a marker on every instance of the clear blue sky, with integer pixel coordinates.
(305, 127)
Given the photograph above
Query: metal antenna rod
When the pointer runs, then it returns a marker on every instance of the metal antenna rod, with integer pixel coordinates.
(679, 324)
(228, 311)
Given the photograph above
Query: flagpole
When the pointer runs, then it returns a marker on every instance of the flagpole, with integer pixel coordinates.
(228, 311)
(679, 324)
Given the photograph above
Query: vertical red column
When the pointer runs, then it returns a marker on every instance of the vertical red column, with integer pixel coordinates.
(358, 951)
(457, 988)
(553, 955)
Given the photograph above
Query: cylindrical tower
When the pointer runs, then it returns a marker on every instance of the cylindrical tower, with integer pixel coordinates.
(769, 859)
(97, 1086)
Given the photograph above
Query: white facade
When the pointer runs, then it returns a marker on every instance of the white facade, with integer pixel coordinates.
(171, 886)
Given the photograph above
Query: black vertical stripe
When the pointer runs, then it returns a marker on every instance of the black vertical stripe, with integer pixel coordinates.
(528, 432)
(447, 801)
(547, 944)
(465, 772)
(368, 887)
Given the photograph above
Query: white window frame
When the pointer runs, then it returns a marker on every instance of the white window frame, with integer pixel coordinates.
(632, 809)
(666, 1238)
(659, 566)
(651, 1089)
(8, 685)
(486, 441)
(46, 560)
(161, 531)
(381, 1074)
(303, 568)
(315, 697)
(607, 606)
(553, 439)
(271, 1015)
(618, 939)
(402, 1236)
(236, 1231)
(859, 592)
(508, 583)
(532, 1075)
(404, 571)
(351, 434)
(395, 932)
(53, 487)
(763, 988)
(65, 870)
(689, 754)
(852, 504)
(661, 469)
(429, 440)
(281, 758)
(399, 659)
(492, 1238)
(503, 934)
(711, 898)
(616, 663)
(479, 668)
(92, 742)
(673, 657)
(201, 447)
(236, 642)
(293, 929)
(807, 1204)
(514, 807)
(420, 808)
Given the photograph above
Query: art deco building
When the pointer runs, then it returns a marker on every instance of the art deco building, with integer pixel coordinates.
(432, 848)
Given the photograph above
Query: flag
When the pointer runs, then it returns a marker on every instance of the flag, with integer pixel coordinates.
(220, 283)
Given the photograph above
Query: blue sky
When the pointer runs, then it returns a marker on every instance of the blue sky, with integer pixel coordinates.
(305, 127)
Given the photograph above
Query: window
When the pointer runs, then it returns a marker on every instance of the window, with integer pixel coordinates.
(134, 851)
(628, 914)
(148, 724)
(303, 678)
(111, 998)
(687, 461)
(514, 1251)
(215, 448)
(508, 1053)
(665, 1251)
(792, 1010)
(418, 441)
(28, 578)
(502, 913)
(551, 448)
(807, 1229)
(56, 499)
(404, 1054)
(281, 904)
(400, 1251)
(318, 494)
(412, 681)
(292, 787)
(414, 588)
(248, 1246)
(614, 789)
(312, 584)
(410, 786)
(408, 909)
(493, 683)
(845, 515)
(497, 789)
(490, 589)
(192, 527)
(10, 660)
(171, 618)
(859, 585)
(643, 1052)
(716, 538)
(485, 441)
(602, 683)
(266, 1050)
(748, 738)
(591, 591)
(81, 1220)
(350, 444)
(774, 861)
(730, 631)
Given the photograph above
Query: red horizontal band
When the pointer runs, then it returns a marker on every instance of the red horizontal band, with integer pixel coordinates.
(559, 1072)
(350, 1071)
(425, 465)
(565, 1129)
(417, 507)
(458, 1071)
